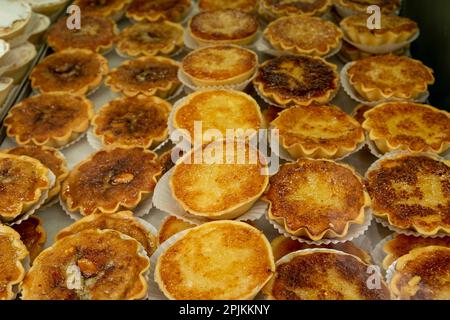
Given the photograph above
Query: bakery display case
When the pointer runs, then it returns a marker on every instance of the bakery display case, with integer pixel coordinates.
(222, 150)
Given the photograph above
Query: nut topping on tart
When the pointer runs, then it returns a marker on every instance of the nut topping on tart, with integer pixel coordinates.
(411, 192)
(32, 234)
(154, 10)
(300, 80)
(273, 9)
(76, 71)
(138, 121)
(242, 5)
(304, 35)
(103, 8)
(110, 181)
(152, 76)
(408, 126)
(51, 119)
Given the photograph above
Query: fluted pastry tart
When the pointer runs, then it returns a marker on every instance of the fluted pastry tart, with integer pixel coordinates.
(323, 274)
(242, 5)
(51, 119)
(150, 39)
(349, 52)
(299, 80)
(218, 260)
(394, 29)
(123, 222)
(110, 181)
(113, 9)
(316, 199)
(423, 274)
(222, 186)
(273, 9)
(49, 157)
(170, 226)
(360, 6)
(151, 76)
(223, 26)
(173, 10)
(318, 132)
(23, 181)
(410, 192)
(389, 77)
(138, 121)
(32, 234)
(219, 65)
(318, 37)
(90, 265)
(218, 110)
(12, 256)
(96, 34)
(359, 112)
(78, 71)
(408, 126)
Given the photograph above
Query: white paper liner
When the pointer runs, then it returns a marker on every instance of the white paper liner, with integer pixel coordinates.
(378, 253)
(4, 48)
(383, 49)
(190, 87)
(164, 200)
(262, 45)
(355, 96)
(142, 209)
(71, 143)
(390, 272)
(354, 231)
(37, 205)
(192, 44)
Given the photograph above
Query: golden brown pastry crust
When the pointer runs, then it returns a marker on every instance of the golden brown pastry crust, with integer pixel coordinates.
(77, 71)
(90, 265)
(233, 260)
(49, 157)
(360, 6)
(323, 274)
(359, 112)
(273, 9)
(300, 80)
(403, 77)
(150, 39)
(219, 65)
(170, 226)
(51, 119)
(96, 34)
(318, 132)
(173, 10)
(123, 222)
(111, 180)
(223, 26)
(351, 53)
(23, 180)
(319, 37)
(243, 5)
(152, 76)
(408, 126)
(102, 8)
(423, 274)
(32, 234)
(13, 252)
(339, 198)
(138, 121)
(411, 192)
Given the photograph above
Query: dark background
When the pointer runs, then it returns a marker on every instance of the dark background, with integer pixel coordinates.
(433, 46)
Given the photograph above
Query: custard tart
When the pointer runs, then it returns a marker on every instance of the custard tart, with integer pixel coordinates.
(394, 29)
(90, 265)
(223, 26)
(49, 157)
(221, 260)
(23, 182)
(408, 126)
(242, 5)
(225, 184)
(47, 7)
(389, 77)
(12, 255)
(78, 71)
(321, 132)
(173, 10)
(324, 274)
(318, 37)
(349, 52)
(171, 226)
(32, 234)
(150, 39)
(110, 181)
(423, 274)
(122, 221)
(401, 245)
(220, 110)
(299, 80)
(51, 119)
(96, 34)
(113, 9)
(316, 199)
(273, 9)
(138, 121)
(360, 6)
(15, 16)
(410, 192)
(219, 65)
(151, 76)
